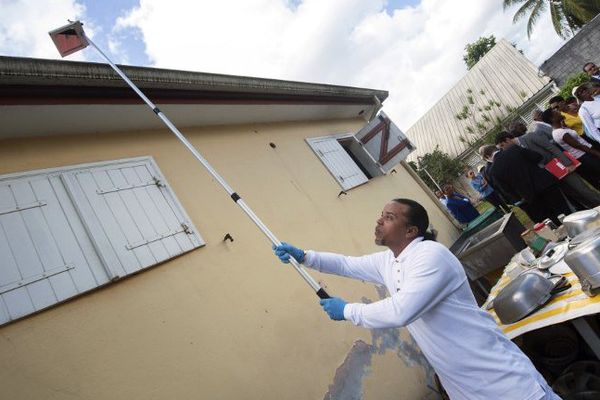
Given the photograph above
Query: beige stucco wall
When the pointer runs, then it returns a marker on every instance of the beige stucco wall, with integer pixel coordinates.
(226, 321)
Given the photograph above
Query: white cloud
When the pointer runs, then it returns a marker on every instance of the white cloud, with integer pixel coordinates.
(415, 53)
(24, 26)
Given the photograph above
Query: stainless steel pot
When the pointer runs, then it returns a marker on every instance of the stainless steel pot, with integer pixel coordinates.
(581, 221)
(584, 260)
(525, 294)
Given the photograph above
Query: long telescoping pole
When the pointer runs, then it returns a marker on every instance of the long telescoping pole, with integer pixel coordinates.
(236, 198)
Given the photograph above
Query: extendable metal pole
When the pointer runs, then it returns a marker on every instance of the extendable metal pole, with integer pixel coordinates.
(236, 198)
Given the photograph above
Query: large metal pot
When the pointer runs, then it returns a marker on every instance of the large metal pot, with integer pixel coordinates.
(584, 260)
(525, 294)
(581, 221)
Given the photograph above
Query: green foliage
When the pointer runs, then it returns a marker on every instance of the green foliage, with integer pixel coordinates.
(483, 117)
(566, 15)
(574, 80)
(442, 168)
(474, 51)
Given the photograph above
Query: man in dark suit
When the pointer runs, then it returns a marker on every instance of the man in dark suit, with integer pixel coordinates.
(592, 71)
(540, 141)
(516, 171)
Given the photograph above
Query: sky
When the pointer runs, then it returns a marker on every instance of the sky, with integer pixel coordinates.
(411, 48)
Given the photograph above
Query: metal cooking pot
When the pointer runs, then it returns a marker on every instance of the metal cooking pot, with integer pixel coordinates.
(581, 221)
(584, 260)
(525, 294)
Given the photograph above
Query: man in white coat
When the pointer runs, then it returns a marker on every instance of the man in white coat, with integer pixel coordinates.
(430, 295)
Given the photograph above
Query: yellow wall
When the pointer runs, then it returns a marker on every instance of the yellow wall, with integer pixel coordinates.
(226, 321)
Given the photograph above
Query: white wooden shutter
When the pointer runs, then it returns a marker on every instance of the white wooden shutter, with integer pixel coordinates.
(385, 142)
(131, 215)
(338, 162)
(69, 230)
(45, 256)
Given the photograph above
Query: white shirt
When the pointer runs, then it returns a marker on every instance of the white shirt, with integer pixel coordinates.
(589, 112)
(558, 135)
(432, 298)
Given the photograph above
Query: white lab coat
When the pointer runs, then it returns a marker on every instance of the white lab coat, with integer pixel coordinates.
(430, 295)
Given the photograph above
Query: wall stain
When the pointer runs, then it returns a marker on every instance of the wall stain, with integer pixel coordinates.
(348, 380)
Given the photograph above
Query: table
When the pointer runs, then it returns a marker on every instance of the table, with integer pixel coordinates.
(571, 305)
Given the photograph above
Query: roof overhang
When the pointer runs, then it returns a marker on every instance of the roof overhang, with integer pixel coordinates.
(46, 97)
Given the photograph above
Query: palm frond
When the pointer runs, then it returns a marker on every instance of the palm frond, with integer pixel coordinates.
(558, 17)
(509, 3)
(581, 10)
(526, 7)
(535, 15)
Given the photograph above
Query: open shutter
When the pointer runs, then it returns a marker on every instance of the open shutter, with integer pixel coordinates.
(132, 215)
(338, 162)
(387, 144)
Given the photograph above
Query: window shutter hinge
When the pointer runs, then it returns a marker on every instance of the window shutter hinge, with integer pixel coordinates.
(186, 228)
(158, 182)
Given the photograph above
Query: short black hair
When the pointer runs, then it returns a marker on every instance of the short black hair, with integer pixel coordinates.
(417, 216)
(502, 136)
(547, 116)
(556, 99)
(571, 99)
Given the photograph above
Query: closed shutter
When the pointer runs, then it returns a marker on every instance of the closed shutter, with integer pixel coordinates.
(338, 162)
(45, 256)
(131, 215)
(385, 142)
(69, 230)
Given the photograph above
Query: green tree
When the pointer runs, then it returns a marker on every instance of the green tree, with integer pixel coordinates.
(566, 15)
(566, 90)
(441, 167)
(474, 51)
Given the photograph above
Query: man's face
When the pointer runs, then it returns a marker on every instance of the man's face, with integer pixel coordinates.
(591, 69)
(392, 228)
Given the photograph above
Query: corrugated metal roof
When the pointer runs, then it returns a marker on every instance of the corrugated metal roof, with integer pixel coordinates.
(504, 74)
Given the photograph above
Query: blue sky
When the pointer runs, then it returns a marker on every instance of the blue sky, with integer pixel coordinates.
(411, 48)
(104, 14)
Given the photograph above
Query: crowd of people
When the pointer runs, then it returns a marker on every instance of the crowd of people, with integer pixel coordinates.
(552, 168)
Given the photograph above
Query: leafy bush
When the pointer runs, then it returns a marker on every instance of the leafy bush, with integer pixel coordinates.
(573, 81)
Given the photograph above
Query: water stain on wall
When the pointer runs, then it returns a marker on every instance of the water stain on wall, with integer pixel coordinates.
(348, 380)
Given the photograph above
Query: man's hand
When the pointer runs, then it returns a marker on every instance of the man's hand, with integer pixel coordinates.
(334, 307)
(284, 251)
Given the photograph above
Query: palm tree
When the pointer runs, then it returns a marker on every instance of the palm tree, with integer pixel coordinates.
(566, 15)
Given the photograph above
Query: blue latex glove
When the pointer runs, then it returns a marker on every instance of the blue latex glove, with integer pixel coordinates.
(284, 251)
(334, 307)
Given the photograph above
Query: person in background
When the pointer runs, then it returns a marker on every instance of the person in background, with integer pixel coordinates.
(515, 170)
(487, 192)
(571, 118)
(429, 294)
(459, 206)
(572, 104)
(577, 146)
(592, 71)
(441, 197)
(541, 142)
(588, 96)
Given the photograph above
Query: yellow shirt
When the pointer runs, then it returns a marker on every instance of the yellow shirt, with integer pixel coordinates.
(573, 122)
